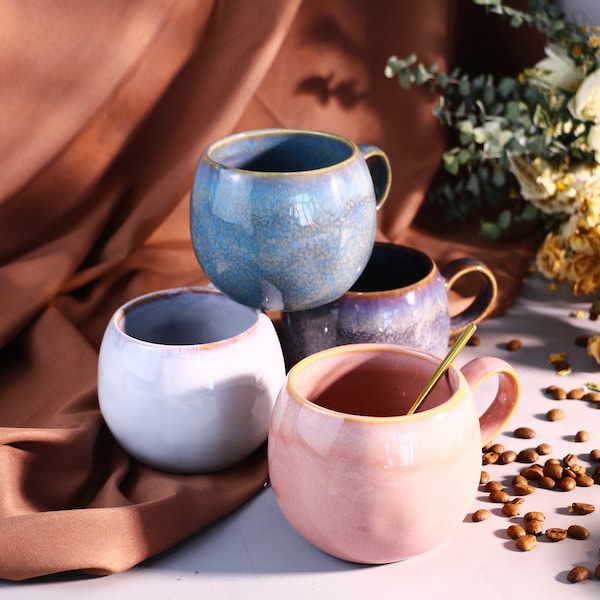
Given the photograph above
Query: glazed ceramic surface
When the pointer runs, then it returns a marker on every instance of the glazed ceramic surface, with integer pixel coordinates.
(285, 219)
(357, 477)
(400, 298)
(187, 379)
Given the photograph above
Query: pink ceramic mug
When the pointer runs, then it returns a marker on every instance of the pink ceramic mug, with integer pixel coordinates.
(356, 476)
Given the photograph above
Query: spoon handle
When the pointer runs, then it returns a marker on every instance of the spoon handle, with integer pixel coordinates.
(463, 338)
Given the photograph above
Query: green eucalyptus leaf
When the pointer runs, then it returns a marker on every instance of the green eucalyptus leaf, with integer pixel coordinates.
(405, 78)
(451, 163)
(490, 230)
(504, 219)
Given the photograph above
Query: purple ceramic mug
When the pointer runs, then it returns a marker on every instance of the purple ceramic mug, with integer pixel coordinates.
(400, 298)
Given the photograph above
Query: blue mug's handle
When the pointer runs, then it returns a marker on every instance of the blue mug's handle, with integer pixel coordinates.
(380, 169)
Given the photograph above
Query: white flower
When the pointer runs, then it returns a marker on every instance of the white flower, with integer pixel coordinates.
(593, 140)
(558, 69)
(585, 104)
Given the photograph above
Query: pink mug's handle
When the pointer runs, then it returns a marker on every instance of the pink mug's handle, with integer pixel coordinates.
(503, 406)
(485, 299)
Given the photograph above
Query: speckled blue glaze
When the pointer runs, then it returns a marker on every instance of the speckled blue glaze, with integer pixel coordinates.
(400, 298)
(285, 219)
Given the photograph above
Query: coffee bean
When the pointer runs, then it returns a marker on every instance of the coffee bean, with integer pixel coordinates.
(566, 484)
(475, 341)
(513, 345)
(511, 510)
(529, 455)
(576, 394)
(578, 532)
(555, 414)
(523, 489)
(484, 477)
(547, 483)
(499, 496)
(584, 480)
(557, 393)
(535, 515)
(570, 460)
(592, 397)
(577, 574)
(581, 341)
(489, 458)
(526, 542)
(507, 457)
(597, 571)
(582, 436)
(595, 455)
(497, 448)
(556, 534)
(581, 508)
(544, 449)
(525, 433)
(553, 470)
(481, 515)
(493, 486)
(516, 531)
(533, 472)
(534, 527)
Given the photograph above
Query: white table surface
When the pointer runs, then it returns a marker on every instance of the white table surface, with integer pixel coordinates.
(254, 553)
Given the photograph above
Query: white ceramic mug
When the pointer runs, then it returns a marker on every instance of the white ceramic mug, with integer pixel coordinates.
(362, 480)
(187, 379)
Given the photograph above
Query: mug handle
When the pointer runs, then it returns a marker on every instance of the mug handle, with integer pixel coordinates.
(380, 169)
(504, 404)
(485, 299)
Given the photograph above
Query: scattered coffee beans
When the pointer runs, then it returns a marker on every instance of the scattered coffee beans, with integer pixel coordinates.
(582, 436)
(577, 574)
(529, 455)
(595, 455)
(581, 508)
(499, 496)
(578, 532)
(555, 414)
(525, 433)
(510, 509)
(556, 534)
(516, 531)
(526, 542)
(513, 345)
(545, 448)
(576, 394)
(481, 515)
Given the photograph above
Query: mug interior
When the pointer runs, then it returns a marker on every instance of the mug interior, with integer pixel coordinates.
(391, 267)
(372, 382)
(185, 317)
(280, 151)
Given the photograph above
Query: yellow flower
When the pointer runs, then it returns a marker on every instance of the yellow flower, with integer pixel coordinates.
(550, 259)
(593, 347)
(584, 271)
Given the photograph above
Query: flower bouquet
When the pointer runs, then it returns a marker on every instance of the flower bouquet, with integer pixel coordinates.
(533, 140)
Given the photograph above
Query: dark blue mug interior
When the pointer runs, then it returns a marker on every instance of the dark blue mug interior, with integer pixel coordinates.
(282, 152)
(391, 267)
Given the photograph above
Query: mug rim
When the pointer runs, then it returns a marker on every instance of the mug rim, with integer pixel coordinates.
(278, 131)
(404, 288)
(453, 400)
(120, 313)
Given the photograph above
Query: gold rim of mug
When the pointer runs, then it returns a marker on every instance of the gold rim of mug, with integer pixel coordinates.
(253, 133)
(122, 310)
(372, 348)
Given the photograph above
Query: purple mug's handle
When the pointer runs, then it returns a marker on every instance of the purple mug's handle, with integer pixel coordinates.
(504, 404)
(485, 299)
(380, 169)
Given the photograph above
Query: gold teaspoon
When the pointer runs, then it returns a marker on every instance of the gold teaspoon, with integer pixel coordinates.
(460, 343)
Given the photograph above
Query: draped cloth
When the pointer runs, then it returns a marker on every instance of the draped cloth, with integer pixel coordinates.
(106, 109)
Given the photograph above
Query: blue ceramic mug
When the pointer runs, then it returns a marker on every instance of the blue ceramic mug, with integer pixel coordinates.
(400, 298)
(285, 219)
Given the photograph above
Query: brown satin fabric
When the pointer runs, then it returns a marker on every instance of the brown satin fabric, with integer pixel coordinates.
(106, 108)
